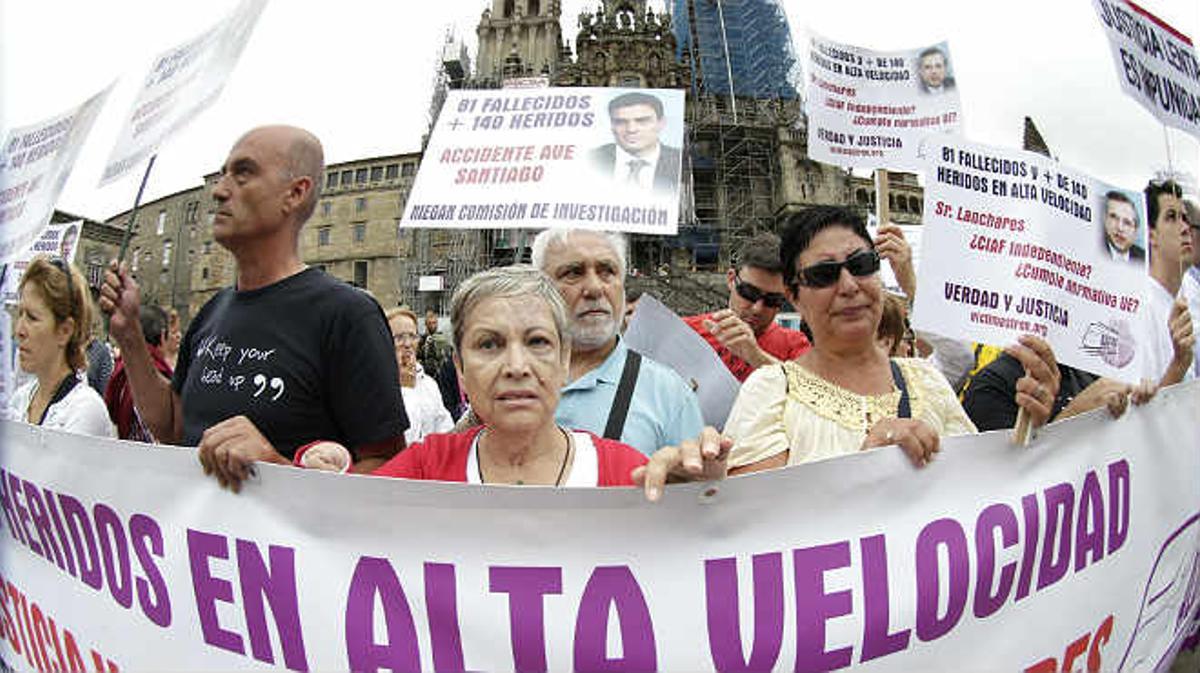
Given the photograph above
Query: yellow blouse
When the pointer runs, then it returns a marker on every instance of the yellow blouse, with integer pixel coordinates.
(787, 407)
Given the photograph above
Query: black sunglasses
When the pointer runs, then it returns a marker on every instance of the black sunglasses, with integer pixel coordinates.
(824, 274)
(752, 294)
(61, 264)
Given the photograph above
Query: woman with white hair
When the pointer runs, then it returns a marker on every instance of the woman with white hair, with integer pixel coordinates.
(511, 352)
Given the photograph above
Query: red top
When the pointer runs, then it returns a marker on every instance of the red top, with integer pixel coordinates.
(444, 458)
(118, 397)
(780, 342)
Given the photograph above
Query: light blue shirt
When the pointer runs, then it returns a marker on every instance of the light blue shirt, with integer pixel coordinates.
(664, 410)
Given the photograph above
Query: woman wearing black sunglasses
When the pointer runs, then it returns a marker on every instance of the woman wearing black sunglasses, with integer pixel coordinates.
(846, 394)
(53, 324)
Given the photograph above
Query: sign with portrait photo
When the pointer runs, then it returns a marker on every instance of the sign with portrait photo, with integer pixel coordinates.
(60, 239)
(593, 158)
(1038, 248)
(870, 109)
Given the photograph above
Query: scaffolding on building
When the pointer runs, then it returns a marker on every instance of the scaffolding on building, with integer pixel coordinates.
(737, 48)
(744, 96)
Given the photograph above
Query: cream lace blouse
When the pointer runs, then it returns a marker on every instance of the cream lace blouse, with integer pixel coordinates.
(787, 407)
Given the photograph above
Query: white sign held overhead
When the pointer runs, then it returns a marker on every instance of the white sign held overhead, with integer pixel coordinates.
(589, 158)
(1028, 249)
(871, 109)
(658, 333)
(1155, 63)
(182, 83)
(57, 240)
(35, 162)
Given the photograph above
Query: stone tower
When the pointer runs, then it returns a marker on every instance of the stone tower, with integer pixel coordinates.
(624, 44)
(518, 38)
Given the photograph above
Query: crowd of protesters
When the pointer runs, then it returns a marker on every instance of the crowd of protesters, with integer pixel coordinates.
(535, 384)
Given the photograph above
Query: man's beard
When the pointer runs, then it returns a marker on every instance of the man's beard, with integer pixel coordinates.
(592, 332)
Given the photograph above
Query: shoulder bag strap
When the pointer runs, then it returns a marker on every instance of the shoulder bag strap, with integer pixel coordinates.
(620, 407)
(905, 408)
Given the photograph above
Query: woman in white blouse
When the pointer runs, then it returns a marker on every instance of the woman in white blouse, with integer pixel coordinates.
(847, 394)
(422, 398)
(53, 326)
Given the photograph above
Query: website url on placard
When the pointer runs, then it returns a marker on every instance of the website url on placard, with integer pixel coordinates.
(1004, 322)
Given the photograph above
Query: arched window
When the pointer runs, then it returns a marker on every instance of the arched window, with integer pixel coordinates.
(508, 8)
(534, 8)
(861, 196)
(914, 204)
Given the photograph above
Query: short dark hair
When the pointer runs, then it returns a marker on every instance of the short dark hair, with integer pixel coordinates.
(635, 98)
(760, 252)
(154, 323)
(1155, 189)
(800, 228)
(930, 52)
(1114, 195)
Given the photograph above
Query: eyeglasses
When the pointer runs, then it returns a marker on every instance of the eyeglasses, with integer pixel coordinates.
(406, 337)
(753, 294)
(823, 274)
(61, 264)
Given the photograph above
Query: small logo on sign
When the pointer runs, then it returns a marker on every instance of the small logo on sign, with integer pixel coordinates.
(1112, 342)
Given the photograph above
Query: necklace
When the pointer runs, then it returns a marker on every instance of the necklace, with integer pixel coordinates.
(562, 469)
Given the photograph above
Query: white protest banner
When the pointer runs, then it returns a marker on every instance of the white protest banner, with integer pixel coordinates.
(656, 332)
(1023, 246)
(8, 350)
(870, 109)
(1156, 64)
(181, 84)
(60, 239)
(1081, 549)
(594, 158)
(35, 162)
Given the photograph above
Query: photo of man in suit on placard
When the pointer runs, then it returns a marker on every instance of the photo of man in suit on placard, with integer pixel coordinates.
(933, 72)
(637, 159)
(1121, 229)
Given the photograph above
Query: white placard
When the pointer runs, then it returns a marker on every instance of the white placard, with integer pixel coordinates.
(1020, 243)
(35, 162)
(1155, 63)
(657, 333)
(8, 349)
(182, 83)
(1078, 552)
(588, 158)
(870, 109)
(57, 240)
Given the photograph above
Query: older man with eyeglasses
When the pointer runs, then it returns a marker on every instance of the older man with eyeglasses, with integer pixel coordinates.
(745, 335)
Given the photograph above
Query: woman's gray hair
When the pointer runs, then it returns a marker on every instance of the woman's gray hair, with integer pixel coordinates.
(552, 237)
(519, 280)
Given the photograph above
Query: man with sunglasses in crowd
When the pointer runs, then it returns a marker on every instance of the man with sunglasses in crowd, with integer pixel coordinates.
(745, 335)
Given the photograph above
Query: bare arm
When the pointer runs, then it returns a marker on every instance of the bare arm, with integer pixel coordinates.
(157, 403)
(770, 463)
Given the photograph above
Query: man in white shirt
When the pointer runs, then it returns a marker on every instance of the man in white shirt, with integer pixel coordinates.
(637, 159)
(1191, 278)
(1165, 340)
